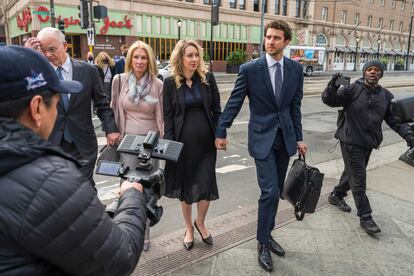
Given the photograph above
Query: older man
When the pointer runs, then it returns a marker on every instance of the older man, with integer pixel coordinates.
(74, 130)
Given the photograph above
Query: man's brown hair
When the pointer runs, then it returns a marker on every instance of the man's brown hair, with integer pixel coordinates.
(124, 48)
(279, 25)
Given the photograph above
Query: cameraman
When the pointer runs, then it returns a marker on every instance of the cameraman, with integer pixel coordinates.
(366, 104)
(51, 221)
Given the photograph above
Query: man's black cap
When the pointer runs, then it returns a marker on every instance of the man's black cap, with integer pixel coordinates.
(375, 63)
(25, 72)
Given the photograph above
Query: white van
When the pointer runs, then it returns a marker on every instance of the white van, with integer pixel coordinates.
(311, 58)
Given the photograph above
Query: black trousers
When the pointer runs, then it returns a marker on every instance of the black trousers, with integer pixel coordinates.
(354, 177)
(87, 168)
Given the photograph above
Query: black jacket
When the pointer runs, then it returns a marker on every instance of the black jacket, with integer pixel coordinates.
(51, 221)
(174, 105)
(364, 113)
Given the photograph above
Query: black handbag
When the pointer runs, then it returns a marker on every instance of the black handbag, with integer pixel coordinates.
(303, 187)
(108, 153)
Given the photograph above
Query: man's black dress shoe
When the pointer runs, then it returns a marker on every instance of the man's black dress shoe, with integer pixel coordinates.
(369, 226)
(339, 202)
(276, 248)
(208, 240)
(264, 258)
(188, 245)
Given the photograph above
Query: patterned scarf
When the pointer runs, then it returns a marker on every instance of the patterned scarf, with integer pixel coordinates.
(139, 89)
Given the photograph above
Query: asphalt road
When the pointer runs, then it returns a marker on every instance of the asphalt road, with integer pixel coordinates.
(236, 174)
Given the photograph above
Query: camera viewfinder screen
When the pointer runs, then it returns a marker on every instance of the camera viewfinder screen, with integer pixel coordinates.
(108, 168)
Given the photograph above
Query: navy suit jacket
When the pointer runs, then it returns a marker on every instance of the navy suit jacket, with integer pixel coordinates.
(266, 116)
(78, 115)
(119, 67)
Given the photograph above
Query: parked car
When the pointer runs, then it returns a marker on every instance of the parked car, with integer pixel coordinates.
(164, 70)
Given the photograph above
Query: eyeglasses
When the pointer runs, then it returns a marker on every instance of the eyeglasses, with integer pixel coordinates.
(51, 50)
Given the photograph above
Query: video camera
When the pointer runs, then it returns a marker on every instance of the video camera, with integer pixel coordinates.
(145, 148)
(403, 110)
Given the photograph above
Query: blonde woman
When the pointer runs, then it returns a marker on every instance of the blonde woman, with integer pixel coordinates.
(107, 64)
(137, 101)
(191, 111)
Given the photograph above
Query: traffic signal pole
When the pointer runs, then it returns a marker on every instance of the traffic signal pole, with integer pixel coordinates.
(52, 13)
(91, 23)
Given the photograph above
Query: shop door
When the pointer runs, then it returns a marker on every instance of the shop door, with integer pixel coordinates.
(74, 49)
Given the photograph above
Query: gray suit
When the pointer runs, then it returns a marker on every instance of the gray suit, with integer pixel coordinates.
(78, 116)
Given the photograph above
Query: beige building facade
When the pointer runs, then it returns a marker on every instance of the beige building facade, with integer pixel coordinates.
(351, 31)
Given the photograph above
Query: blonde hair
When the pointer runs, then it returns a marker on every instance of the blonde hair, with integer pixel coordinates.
(176, 60)
(101, 56)
(152, 65)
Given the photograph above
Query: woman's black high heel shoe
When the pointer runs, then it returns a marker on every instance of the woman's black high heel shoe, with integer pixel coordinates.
(188, 245)
(208, 240)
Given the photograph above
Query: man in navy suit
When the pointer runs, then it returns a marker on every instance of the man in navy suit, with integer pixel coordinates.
(120, 64)
(274, 86)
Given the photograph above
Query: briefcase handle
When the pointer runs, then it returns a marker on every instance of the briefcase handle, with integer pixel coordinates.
(302, 157)
(298, 214)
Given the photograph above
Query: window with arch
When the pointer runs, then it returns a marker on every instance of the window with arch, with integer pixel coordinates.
(343, 17)
(365, 43)
(340, 40)
(321, 40)
(387, 45)
(392, 24)
(397, 46)
(352, 42)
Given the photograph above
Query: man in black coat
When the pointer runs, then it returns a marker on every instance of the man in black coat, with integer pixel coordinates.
(52, 222)
(366, 105)
(74, 130)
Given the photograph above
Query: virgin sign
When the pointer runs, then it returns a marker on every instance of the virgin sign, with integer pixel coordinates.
(108, 23)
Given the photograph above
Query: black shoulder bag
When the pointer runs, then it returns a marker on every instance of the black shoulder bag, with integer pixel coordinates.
(303, 187)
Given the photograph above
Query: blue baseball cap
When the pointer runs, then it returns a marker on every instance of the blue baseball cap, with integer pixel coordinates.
(25, 72)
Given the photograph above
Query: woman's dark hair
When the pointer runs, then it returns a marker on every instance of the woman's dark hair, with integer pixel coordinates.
(15, 108)
(280, 25)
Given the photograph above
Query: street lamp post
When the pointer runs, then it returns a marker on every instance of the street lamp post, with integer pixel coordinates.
(356, 53)
(379, 43)
(179, 23)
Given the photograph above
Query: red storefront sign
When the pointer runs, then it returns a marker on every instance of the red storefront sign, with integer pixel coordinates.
(126, 23)
(25, 20)
(113, 24)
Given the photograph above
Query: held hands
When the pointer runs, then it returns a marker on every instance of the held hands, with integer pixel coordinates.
(221, 143)
(302, 148)
(113, 138)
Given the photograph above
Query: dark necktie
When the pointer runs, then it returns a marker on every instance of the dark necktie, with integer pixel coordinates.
(63, 97)
(278, 82)
(65, 100)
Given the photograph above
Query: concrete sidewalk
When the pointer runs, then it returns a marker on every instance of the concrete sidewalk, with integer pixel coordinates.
(328, 242)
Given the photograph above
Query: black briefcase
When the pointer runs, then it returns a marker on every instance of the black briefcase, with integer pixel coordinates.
(303, 187)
